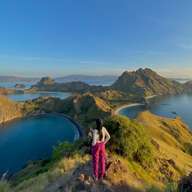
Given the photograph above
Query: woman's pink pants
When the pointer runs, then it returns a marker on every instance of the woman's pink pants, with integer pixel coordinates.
(99, 158)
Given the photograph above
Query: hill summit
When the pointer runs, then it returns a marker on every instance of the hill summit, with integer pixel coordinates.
(146, 82)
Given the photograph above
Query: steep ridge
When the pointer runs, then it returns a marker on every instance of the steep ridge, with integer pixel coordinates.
(146, 82)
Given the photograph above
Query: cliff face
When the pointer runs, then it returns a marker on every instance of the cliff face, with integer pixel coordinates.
(9, 110)
(146, 82)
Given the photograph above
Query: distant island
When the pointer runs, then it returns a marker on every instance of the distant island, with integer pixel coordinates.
(19, 86)
(90, 79)
(139, 83)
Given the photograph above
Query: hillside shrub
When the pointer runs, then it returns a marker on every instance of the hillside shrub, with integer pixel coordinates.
(67, 149)
(129, 139)
(188, 148)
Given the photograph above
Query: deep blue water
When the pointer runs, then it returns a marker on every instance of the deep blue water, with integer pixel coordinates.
(171, 106)
(30, 96)
(32, 139)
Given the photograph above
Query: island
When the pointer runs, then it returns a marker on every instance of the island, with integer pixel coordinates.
(19, 86)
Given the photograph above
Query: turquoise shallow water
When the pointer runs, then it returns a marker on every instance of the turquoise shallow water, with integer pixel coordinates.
(170, 106)
(32, 139)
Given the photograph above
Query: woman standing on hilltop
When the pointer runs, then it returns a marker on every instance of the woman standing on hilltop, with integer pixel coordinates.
(100, 137)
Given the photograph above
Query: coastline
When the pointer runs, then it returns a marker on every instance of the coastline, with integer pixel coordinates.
(126, 106)
(118, 109)
(80, 132)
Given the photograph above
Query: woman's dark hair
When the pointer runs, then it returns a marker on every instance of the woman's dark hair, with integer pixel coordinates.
(99, 125)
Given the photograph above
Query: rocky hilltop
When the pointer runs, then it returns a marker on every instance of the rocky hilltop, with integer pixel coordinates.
(146, 82)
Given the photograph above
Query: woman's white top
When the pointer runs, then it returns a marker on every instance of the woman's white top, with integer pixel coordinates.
(96, 136)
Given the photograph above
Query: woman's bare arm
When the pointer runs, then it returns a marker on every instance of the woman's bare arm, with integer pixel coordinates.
(105, 135)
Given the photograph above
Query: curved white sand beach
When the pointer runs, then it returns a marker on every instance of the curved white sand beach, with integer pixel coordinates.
(132, 104)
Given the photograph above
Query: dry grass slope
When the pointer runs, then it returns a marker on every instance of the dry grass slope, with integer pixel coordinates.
(169, 136)
(9, 110)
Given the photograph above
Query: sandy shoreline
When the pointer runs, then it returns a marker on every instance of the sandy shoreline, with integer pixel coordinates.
(132, 104)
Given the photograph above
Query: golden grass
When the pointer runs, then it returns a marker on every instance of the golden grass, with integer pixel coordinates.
(9, 109)
(170, 147)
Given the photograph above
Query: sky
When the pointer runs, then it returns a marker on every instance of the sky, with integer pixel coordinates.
(95, 37)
